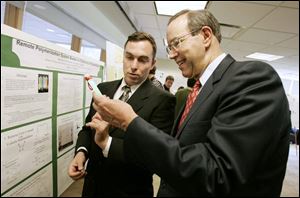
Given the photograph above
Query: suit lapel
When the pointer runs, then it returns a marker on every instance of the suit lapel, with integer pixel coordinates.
(111, 89)
(137, 99)
(142, 93)
(207, 89)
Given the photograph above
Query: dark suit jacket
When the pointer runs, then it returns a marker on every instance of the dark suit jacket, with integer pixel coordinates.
(233, 142)
(112, 176)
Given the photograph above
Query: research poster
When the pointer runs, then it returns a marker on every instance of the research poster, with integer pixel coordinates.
(39, 185)
(26, 95)
(43, 97)
(23, 151)
(63, 179)
(69, 93)
(68, 126)
(88, 93)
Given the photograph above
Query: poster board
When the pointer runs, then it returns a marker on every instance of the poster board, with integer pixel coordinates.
(43, 107)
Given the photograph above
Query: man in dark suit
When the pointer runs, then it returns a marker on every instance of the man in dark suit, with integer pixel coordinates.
(233, 141)
(107, 173)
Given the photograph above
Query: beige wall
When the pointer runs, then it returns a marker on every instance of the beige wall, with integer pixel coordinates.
(169, 67)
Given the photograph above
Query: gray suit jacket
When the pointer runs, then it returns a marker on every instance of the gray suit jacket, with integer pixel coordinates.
(113, 176)
(234, 141)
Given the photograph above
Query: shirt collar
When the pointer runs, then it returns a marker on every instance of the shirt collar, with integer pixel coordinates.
(211, 68)
(133, 88)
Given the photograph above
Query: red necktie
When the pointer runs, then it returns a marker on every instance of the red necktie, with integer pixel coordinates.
(190, 101)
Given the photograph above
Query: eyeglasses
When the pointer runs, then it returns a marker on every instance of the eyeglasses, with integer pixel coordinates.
(175, 44)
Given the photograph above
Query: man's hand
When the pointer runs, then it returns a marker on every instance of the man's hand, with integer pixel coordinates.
(115, 112)
(76, 167)
(101, 128)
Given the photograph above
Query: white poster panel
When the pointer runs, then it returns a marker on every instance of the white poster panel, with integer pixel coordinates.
(88, 93)
(37, 53)
(68, 126)
(38, 185)
(26, 95)
(63, 179)
(114, 61)
(69, 93)
(23, 151)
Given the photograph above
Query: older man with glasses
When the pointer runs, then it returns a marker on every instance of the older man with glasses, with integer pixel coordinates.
(232, 136)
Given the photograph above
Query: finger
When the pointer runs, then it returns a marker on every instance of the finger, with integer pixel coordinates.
(89, 124)
(97, 116)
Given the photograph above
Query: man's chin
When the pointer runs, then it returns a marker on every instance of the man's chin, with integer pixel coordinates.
(186, 75)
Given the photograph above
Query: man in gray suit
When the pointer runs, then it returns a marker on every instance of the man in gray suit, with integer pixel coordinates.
(107, 174)
(232, 137)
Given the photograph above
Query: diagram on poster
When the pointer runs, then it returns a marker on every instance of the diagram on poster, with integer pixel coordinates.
(23, 151)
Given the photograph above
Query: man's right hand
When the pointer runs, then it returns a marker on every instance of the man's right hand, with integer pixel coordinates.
(76, 168)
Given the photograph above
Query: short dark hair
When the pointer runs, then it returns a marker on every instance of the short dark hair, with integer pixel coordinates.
(170, 78)
(198, 19)
(142, 36)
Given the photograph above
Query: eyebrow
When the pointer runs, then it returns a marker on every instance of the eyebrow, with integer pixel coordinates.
(142, 56)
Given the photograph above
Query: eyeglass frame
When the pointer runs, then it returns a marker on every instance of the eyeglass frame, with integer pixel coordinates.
(179, 40)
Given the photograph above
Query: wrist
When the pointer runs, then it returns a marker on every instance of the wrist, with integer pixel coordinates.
(82, 152)
(102, 143)
(126, 122)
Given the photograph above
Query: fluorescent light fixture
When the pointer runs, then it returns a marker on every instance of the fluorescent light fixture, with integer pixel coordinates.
(50, 30)
(262, 56)
(172, 7)
(63, 35)
(39, 7)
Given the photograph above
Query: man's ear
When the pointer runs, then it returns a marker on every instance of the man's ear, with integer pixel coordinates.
(153, 63)
(207, 35)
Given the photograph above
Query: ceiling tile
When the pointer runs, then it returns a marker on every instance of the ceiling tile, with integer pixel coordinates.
(245, 46)
(142, 7)
(276, 3)
(291, 43)
(238, 13)
(291, 4)
(281, 51)
(264, 37)
(229, 32)
(280, 20)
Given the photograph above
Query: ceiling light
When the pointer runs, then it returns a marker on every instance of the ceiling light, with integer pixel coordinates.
(172, 7)
(39, 7)
(50, 30)
(62, 35)
(262, 56)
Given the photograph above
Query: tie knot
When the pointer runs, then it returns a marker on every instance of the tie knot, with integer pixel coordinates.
(126, 88)
(197, 85)
(125, 96)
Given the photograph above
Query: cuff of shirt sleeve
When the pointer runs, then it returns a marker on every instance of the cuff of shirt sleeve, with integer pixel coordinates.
(106, 149)
(83, 149)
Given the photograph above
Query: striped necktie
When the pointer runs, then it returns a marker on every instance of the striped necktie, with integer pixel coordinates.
(124, 97)
(189, 102)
